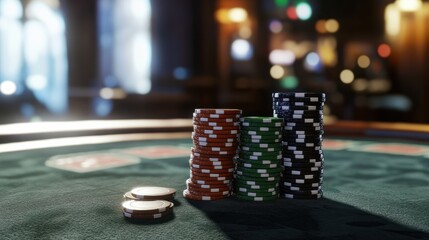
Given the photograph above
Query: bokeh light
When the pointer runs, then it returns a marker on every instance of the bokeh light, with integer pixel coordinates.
(291, 13)
(11, 9)
(241, 49)
(384, 50)
(276, 26)
(320, 26)
(237, 15)
(277, 72)
(392, 19)
(312, 62)
(363, 61)
(180, 73)
(222, 15)
(289, 82)
(245, 32)
(347, 76)
(303, 11)
(36, 82)
(282, 57)
(281, 3)
(409, 5)
(332, 25)
(8, 87)
(360, 85)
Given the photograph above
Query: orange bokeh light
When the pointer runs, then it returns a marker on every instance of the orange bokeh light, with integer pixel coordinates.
(384, 50)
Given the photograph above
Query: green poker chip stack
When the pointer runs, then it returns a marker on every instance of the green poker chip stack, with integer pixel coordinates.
(258, 166)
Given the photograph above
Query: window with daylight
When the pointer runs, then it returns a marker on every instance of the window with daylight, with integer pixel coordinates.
(33, 54)
(125, 44)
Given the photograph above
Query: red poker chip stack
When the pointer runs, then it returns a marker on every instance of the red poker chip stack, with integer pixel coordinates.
(215, 139)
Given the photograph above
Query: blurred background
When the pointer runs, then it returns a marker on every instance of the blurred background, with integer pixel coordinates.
(126, 59)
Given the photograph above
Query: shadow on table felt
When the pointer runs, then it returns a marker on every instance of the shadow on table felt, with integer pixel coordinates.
(301, 219)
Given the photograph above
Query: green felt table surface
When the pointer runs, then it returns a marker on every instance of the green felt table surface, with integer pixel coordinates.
(367, 196)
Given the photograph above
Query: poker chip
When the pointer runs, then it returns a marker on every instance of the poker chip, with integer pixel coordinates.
(146, 207)
(302, 192)
(209, 165)
(202, 196)
(219, 111)
(161, 215)
(148, 203)
(129, 196)
(215, 144)
(302, 139)
(152, 193)
(245, 165)
(198, 123)
(293, 189)
(198, 180)
(298, 165)
(284, 183)
(256, 193)
(215, 116)
(282, 106)
(208, 187)
(256, 199)
(245, 140)
(216, 140)
(258, 168)
(230, 121)
(302, 196)
(297, 95)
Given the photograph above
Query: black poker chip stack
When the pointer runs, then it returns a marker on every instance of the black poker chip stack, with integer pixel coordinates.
(303, 159)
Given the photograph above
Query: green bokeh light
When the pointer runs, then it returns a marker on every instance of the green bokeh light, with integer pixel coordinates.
(289, 82)
(281, 3)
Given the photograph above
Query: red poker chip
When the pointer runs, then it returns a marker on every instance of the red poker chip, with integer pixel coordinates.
(216, 116)
(216, 120)
(223, 186)
(188, 195)
(210, 179)
(208, 159)
(215, 149)
(204, 181)
(218, 111)
(212, 176)
(215, 140)
(216, 128)
(196, 189)
(208, 154)
(216, 171)
(216, 144)
(207, 193)
(216, 132)
(217, 136)
(210, 165)
(232, 124)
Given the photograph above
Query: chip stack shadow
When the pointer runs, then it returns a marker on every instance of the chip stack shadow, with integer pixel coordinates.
(258, 167)
(215, 139)
(302, 143)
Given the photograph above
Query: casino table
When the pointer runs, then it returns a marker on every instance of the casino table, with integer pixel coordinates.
(67, 180)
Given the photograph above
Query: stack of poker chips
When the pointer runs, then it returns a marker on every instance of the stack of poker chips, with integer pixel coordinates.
(302, 143)
(258, 167)
(148, 203)
(215, 139)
